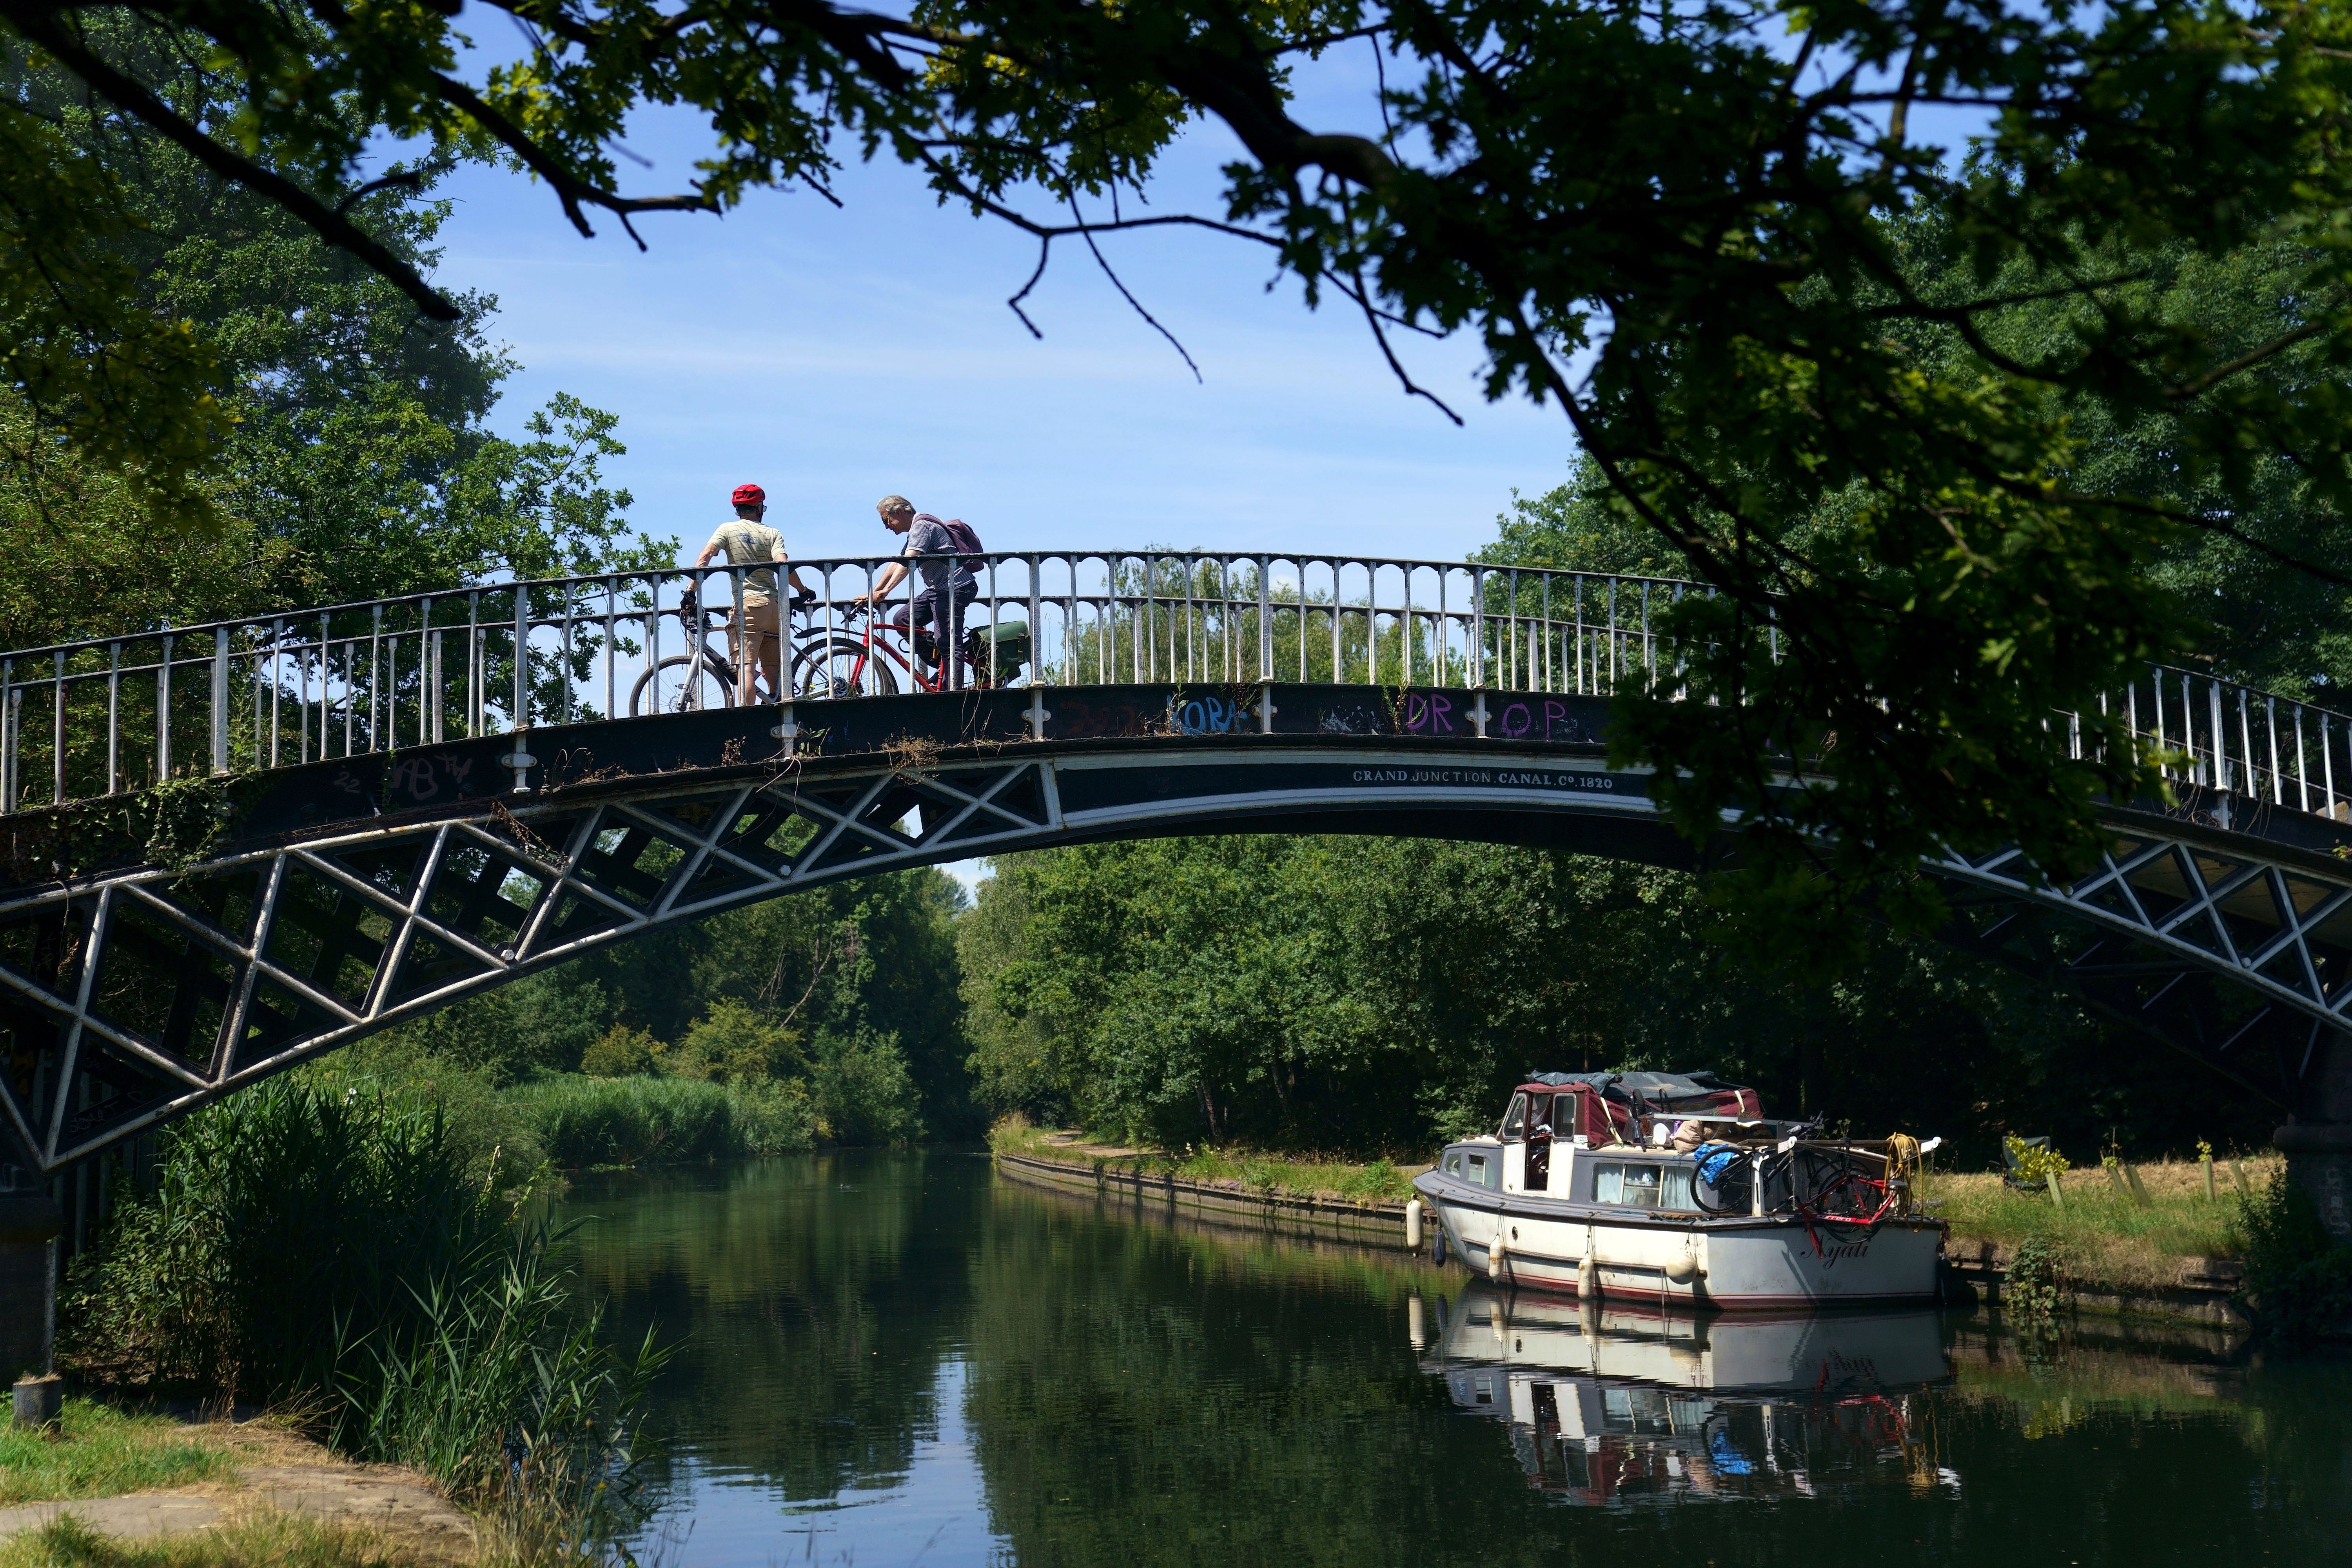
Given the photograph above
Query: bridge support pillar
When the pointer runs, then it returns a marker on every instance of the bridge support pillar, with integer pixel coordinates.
(2317, 1141)
(29, 1225)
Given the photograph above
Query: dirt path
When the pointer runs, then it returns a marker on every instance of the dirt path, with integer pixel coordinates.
(277, 1469)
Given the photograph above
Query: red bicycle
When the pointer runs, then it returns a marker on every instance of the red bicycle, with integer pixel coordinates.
(871, 661)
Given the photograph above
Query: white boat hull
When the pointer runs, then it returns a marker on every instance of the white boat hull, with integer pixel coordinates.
(1735, 1263)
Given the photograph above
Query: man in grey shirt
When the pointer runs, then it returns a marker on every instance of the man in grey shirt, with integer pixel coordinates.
(948, 585)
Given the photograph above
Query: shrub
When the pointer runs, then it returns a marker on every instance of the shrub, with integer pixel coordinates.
(735, 1044)
(2035, 1166)
(275, 1210)
(2035, 1288)
(863, 1093)
(622, 1052)
(2298, 1277)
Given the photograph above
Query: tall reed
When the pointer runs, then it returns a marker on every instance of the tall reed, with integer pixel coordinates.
(322, 1245)
(584, 1121)
(500, 1387)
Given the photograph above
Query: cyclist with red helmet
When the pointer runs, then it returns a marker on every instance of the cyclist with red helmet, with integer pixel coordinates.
(747, 541)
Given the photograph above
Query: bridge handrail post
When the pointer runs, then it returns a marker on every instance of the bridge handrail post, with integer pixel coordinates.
(2302, 765)
(2271, 725)
(326, 683)
(1265, 626)
(1649, 646)
(57, 732)
(520, 717)
(7, 735)
(428, 653)
(474, 694)
(2197, 775)
(2224, 775)
(1546, 631)
(113, 718)
(2328, 759)
(163, 719)
(1036, 619)
(1476, 630)
(220, 699)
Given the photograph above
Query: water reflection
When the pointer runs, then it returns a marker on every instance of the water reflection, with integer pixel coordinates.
(1618, 1406)
(818, 1306)
(901, 1358)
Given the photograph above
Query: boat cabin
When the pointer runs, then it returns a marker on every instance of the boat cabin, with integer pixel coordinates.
(1626, 1121)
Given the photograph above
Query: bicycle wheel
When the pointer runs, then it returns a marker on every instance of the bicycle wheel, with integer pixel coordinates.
(681, 684)
(841, 668)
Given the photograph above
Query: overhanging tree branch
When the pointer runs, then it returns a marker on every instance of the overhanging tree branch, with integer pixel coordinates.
(43, 28)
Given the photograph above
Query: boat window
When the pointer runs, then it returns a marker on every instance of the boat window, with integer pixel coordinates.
(1478, 1164)
(1636, 1187)
(1676, 1194)
(1453, 1164)
(1515, 1120)
(1539, 1113)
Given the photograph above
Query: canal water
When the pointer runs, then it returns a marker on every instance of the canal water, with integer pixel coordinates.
(901, 1358)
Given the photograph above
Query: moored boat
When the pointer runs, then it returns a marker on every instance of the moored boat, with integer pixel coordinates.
(1671, 1187)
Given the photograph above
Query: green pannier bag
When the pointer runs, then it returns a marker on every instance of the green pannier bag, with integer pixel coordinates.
(1011, 644)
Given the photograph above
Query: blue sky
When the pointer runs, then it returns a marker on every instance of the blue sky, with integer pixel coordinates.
(833, 355)
(836, 355)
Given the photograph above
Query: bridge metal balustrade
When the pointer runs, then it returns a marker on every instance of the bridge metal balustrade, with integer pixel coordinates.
(95, 718)
(88, 720)
(143, 989)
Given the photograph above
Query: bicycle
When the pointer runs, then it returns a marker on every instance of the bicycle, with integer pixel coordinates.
(833, 663)
(824, 663)
(704, 677)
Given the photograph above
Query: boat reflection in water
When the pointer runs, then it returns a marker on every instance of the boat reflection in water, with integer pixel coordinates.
(1617, 1406)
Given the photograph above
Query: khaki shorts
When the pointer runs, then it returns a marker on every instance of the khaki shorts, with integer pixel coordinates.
(760, 616)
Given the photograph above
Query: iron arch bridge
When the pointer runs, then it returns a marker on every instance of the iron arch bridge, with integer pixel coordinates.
(233, 848)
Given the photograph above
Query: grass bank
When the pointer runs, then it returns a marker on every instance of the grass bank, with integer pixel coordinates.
(265, 1536)
(99, 1451)
(2103, 1234)
(1296, 1175)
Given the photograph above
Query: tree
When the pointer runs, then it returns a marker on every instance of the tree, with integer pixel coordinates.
(354, 458)
(1377, 994)
(1688, 227)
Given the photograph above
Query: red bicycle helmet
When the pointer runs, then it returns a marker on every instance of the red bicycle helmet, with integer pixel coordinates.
(750, 495)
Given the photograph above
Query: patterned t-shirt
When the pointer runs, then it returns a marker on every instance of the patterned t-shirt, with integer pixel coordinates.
(745, 542)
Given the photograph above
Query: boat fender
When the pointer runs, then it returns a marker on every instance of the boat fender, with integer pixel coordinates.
(1685, 1269)
(1495, 1251)
(1438, 1243)
(1588, 1278)
(1412, 1225)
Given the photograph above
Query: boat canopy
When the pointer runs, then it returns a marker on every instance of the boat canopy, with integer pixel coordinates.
(1609, 1103)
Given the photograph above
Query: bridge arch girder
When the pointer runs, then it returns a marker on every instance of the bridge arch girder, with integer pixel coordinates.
(132, 996)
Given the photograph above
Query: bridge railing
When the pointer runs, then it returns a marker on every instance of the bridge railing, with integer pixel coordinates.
(87, 719)
(2244, 742)
(95, 718)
